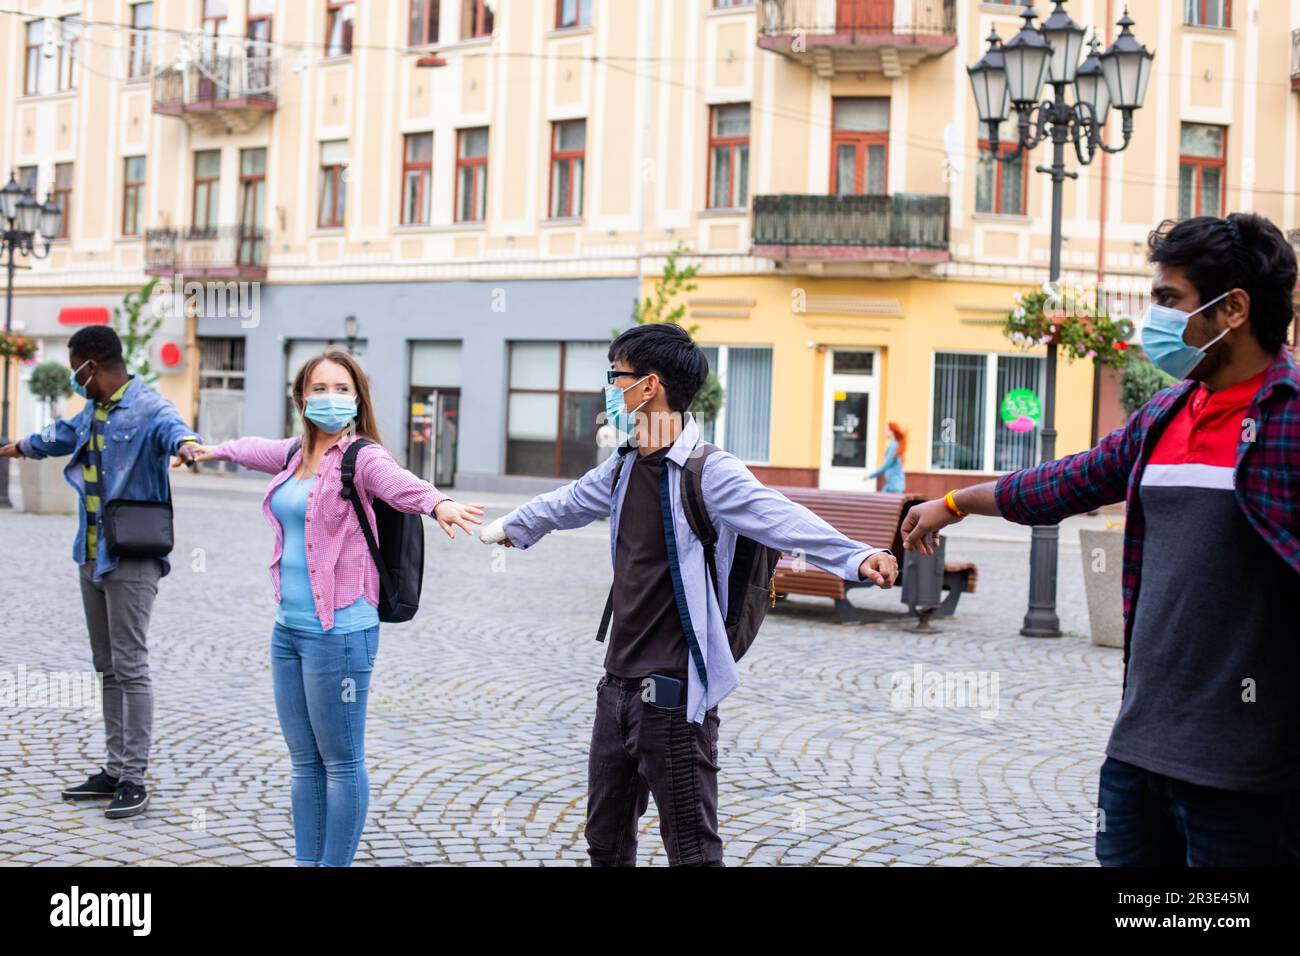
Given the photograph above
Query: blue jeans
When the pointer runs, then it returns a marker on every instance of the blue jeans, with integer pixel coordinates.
(1147, 819)
(321, 683)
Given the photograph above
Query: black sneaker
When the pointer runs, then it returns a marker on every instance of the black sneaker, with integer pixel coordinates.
(99, 787)
(130, 799)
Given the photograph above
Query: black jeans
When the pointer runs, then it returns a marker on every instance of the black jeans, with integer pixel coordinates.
(638, 749)
(1148, 819)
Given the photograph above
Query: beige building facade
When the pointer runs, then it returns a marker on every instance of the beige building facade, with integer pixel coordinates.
(472, 194)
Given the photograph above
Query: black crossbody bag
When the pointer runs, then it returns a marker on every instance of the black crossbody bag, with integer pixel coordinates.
(139, 529)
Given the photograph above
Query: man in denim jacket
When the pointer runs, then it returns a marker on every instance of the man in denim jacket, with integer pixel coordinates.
(118, 447)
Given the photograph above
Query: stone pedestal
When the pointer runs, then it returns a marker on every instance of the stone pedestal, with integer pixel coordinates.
(43, 487)
(1103, 564)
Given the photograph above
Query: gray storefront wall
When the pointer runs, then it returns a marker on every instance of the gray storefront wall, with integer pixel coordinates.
(483, 316)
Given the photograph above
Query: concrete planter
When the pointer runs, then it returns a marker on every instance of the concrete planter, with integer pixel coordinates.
(44, 489)
(1103, 563)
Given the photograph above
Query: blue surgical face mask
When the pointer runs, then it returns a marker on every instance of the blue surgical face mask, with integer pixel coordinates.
(331, 412)
(76, 386)
(1162, 338)
(616, 414)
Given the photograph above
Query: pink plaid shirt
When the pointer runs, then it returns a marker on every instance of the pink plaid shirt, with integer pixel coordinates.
(338, 561)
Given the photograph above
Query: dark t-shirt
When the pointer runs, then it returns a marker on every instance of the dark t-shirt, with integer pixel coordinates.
(645, 632)
(1214, 658)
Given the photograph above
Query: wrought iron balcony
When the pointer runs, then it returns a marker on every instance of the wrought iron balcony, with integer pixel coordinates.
(231, 252)
(874, 36)
(218, 92)
(908, 230)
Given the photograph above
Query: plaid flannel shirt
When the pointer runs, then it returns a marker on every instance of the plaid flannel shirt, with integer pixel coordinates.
(1266, 476)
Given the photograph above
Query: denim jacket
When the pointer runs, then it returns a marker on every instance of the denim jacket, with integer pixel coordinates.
(738, 504)
(142, 432)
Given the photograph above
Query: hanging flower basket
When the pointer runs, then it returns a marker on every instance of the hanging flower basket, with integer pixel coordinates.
(17, 347)
(1070, 320)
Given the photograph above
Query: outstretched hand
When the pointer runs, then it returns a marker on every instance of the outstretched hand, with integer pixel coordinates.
(881, 569)
(451, 515)
(922, 524)
(495, 533)
(10, 451)
(190, 453)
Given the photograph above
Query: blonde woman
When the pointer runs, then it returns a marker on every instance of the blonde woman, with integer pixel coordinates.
(326, 633)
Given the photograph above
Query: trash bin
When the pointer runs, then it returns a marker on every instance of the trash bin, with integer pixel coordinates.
(923, 583)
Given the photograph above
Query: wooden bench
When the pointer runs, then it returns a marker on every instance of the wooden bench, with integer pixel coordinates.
(874, 518)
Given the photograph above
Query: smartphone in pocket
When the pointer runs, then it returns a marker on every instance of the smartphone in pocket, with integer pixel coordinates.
(664, 691)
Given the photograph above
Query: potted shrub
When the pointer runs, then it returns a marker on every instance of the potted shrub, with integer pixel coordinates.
(45, 491)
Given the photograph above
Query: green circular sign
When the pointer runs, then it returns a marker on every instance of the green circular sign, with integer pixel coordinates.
(1021, 411)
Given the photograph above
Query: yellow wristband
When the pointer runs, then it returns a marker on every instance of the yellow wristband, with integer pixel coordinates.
(951, 503)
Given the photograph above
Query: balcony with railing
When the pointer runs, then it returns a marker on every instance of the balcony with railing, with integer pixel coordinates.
(218, 92)
(221, 252)
(906, 233)
(1295, 59)
(855, 36)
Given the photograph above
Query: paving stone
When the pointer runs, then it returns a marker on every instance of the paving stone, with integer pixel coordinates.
(481, 709)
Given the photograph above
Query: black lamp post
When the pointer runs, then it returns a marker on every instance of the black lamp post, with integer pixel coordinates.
(1013, 76)
(22, 218)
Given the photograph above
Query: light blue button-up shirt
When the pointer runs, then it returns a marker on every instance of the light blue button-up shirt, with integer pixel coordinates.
(738, 504)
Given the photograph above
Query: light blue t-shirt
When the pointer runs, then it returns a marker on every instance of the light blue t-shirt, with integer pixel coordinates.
(297, 610)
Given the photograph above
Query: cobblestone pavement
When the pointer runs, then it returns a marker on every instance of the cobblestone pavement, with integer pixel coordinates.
(481, 711)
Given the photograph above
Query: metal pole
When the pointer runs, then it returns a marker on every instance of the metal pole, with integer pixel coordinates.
(1041, 619)
(10, 241)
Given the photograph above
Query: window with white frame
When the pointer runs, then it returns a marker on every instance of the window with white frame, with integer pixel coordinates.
(968, 429)
(744, 425)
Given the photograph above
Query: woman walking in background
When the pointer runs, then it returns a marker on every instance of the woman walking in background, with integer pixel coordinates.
(326, 633)
(892, 467)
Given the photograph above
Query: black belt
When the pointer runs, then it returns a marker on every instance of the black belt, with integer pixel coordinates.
(635, 683)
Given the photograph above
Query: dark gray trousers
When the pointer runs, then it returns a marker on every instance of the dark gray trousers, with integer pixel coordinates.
(118, 608)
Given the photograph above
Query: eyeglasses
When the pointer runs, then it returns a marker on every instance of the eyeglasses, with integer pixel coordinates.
(615, 373)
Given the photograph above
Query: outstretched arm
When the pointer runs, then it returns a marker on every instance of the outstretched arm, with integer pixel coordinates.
(172, 436)
(578, 503)
(739, 501)
(1044, 494)
(53, 441)
(380, 476)
(259, 454)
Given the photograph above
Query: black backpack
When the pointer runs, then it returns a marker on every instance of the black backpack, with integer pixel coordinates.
(751, 585)
(399, 553)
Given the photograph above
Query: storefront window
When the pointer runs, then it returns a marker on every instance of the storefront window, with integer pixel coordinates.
(744, 426)
(555, 399)
(434, 411)
(968, 429)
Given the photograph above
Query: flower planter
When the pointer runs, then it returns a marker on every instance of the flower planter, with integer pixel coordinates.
(43, 487)
(1103, 568)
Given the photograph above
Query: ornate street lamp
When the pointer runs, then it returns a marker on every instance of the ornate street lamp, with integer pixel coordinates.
(988, 80)
(1090, 88)
(1027, 56)
(1116, 79)
(21, 217)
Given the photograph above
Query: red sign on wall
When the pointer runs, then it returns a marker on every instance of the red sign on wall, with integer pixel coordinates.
(84, 315)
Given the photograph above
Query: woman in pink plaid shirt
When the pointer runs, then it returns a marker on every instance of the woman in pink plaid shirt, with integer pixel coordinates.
(326, 584)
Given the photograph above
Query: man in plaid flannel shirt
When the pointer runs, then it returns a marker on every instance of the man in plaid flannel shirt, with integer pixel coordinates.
(1203, 763)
